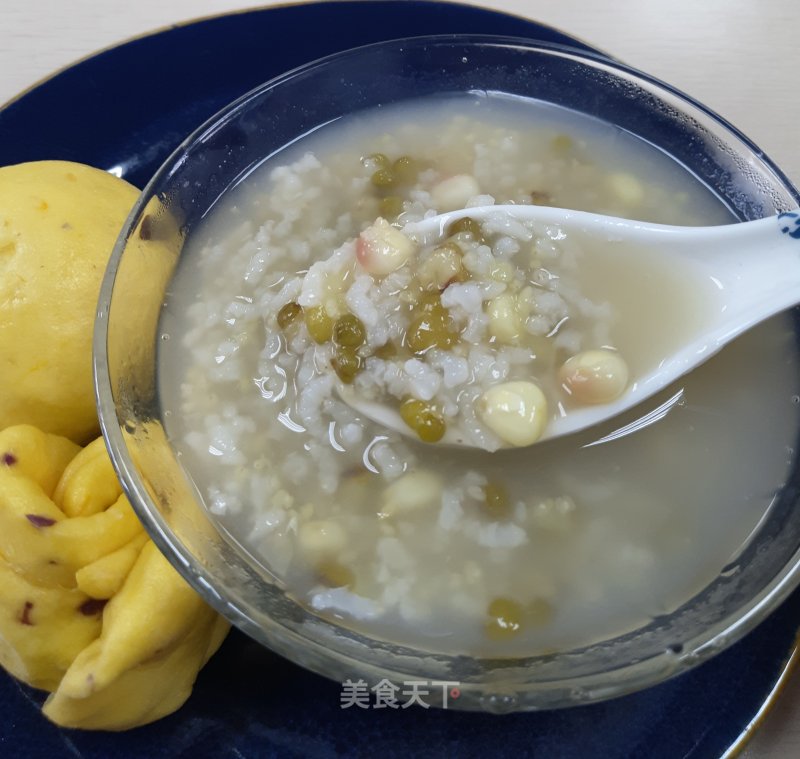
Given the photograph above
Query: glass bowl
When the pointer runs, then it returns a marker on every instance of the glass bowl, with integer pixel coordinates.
(230, 146)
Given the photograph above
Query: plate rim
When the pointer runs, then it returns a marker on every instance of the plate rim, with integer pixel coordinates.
(258, 9)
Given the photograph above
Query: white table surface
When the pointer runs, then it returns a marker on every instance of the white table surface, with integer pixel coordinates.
(740, 57)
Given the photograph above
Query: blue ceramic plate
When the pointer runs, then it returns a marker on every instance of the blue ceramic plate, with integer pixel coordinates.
(125, 110)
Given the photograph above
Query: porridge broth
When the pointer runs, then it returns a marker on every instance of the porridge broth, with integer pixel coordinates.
(513, 552)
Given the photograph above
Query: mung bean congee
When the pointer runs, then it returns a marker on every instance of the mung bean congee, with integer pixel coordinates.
(304, 280)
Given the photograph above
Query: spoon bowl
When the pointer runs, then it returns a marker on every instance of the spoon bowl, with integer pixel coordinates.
(752, 269)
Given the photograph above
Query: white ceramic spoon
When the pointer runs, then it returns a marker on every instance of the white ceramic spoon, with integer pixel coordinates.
(755, 265)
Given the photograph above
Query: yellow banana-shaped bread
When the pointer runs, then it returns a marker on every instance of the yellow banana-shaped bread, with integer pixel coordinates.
(42, 542)
(157, 634)
(45, 620)
(42, 458)
(145, 693)
(104, 577)
(43, 629)
(88, 483)
(89, 608)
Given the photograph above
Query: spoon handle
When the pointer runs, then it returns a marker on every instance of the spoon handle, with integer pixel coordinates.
(756, 264)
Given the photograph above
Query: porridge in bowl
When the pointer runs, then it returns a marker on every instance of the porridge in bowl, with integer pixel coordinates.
(305, 278)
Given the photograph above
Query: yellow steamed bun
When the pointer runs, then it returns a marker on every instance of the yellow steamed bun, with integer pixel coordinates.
(58, 224)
